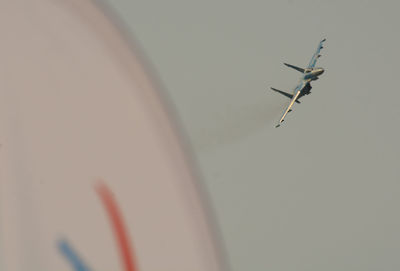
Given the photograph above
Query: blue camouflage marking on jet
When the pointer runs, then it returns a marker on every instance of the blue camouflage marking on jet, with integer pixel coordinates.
(304, 87)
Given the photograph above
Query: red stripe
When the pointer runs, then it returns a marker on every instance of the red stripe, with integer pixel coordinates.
(121, 235)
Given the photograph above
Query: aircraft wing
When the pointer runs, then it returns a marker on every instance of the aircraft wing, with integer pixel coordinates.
(287, 110)
(316, 55)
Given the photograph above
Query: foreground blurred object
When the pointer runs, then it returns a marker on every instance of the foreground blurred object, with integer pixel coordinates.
(93, 175)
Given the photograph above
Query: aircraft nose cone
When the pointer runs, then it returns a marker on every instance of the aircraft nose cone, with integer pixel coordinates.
(321, 71)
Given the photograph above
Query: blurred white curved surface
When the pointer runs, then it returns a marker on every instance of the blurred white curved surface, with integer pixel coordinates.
(77, 107)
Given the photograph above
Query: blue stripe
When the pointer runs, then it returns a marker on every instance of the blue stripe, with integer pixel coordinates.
(72, 256)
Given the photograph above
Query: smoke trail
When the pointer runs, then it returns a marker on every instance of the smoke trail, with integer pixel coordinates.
(233, 123)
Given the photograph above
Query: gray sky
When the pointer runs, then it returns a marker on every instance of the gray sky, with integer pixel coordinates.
(321, 192)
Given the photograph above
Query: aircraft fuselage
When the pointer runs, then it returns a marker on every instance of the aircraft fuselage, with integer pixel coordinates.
(312, 74)
(309, 75)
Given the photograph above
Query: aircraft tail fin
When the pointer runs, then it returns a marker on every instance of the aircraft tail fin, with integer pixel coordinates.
(290, 96)
(294, 67)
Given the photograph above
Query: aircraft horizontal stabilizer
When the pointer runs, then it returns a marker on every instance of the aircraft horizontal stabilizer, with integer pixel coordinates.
(295, 67)
(290, 96)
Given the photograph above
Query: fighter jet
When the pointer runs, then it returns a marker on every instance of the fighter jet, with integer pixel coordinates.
(304, 87)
